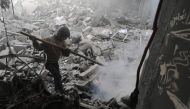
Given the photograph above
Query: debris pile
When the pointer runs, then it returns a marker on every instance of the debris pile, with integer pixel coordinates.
(26, 84)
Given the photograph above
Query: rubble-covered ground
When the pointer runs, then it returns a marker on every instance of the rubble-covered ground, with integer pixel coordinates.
(117, 42)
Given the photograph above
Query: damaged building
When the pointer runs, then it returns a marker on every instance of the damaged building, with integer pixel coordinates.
(118, 54)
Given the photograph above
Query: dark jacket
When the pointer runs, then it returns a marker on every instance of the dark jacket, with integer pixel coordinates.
(53, 53)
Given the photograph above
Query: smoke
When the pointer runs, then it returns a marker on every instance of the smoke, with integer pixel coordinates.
(117, 78)
(147, 11)
(116, 7)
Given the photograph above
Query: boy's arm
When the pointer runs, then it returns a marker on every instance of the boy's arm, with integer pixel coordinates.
(37, 45)
(66, 51)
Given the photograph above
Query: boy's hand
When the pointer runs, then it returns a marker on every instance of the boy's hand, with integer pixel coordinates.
(31, 38)
(66, 52)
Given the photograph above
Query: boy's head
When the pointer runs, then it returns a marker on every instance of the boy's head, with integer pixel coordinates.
(62, 33)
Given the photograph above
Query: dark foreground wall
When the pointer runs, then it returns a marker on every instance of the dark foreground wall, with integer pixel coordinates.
(165, 80)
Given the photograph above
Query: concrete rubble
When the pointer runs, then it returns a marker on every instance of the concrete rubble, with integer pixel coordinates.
(26, 84)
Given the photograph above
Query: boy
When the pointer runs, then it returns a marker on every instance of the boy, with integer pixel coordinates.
(53, 54)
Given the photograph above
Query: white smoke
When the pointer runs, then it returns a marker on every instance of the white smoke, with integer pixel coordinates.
(116, 8)
(117, 78)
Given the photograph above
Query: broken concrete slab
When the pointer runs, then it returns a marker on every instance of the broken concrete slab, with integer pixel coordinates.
(29, 26)
(6, 51)
(42, 33)
(2, 47)
(3, 40)
(86, 74)
(90, 37)
(122, 20)
(60, 20)
(100, 21)
(87, 29)
(87, 19)
(102, 32)
(18, 46)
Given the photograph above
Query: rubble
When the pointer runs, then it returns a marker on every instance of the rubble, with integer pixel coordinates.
(60, 20)
(3, 40)
(87, 29)
(18, 46)
(2, 47)
(32, 94)
(101, 32)
(43, 33)
(101, 21)
(122, 20)
(21, 83)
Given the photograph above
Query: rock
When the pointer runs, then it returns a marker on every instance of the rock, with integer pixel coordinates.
(6, 51)
(122, 34)
(106, 33)
(75, 34)
(60, 20)
(22, 38)
(16, 42)
(125, 100)
(2, 47)
(87, 29)
(18, 46)
(102, 21)
(122, 20)
(70, 15)
(123, 31)
(44, 74)
(123, 106)
(2, 67)
(89, 37)
(87, 19)
(73, 20)
(102, 32)
(81, 24)
(3, 40)
(29, 26)
(42, 33)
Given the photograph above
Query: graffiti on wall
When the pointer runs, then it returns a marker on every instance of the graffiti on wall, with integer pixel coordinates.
(182, 17)
(174, 73)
